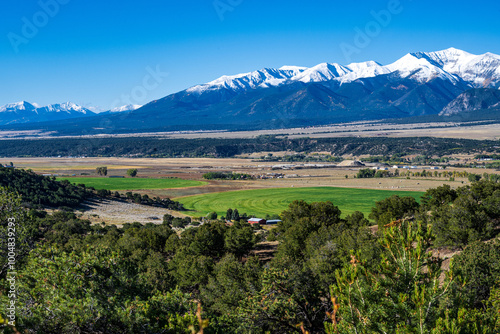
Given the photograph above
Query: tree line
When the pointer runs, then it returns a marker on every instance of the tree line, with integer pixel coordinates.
(222, 148)
(226, 176)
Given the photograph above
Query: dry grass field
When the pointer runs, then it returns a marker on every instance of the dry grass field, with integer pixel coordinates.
(194, 168)
(354, 129)
(118, 213)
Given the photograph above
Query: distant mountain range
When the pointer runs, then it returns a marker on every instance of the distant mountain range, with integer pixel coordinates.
(444, 83)
(25, 112)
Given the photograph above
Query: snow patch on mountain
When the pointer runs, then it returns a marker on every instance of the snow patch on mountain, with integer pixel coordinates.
(419, 68)
(367, 69)
(322, 72)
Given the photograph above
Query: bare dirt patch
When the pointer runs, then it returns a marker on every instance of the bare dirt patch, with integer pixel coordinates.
(120, 212)
(265, 250)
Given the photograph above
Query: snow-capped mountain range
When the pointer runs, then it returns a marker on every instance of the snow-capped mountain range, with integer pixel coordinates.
(418, 84)
(450, 64)
(25, 112)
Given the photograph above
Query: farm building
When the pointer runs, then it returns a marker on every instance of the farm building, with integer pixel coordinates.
(116, 177)
(257, 221)
(273, 222)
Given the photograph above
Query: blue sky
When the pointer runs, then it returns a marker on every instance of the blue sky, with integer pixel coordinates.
(103, 53)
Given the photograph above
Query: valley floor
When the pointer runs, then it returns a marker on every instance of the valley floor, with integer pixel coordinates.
(193, 169)
(480, 130)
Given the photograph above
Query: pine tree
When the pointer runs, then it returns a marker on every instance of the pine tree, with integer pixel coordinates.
(236, 215)
(401, 296)
(229, 214)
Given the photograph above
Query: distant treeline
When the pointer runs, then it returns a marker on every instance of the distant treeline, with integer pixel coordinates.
(210, 147)
(226, 176)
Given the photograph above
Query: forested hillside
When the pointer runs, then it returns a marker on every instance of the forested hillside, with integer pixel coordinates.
(222, 148)
(328, 274)
(41, 190)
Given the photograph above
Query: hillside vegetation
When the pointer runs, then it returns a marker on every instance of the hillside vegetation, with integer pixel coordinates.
(329, 274)
(41, 190)
(210, 147)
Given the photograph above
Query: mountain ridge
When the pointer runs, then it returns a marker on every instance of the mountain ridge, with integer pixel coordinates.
(25, 112)
(451, 63)
(417, 84)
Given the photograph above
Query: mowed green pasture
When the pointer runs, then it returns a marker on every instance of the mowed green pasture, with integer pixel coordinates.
(275, 200)
(132, 183)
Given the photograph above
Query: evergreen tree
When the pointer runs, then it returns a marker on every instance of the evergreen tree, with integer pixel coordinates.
(401, 296)
(236, 215)
(229, 214)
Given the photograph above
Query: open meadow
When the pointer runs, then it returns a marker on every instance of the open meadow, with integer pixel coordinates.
(261, 202)
(132, 183)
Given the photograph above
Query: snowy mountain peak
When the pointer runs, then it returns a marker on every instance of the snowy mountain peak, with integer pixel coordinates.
(420, 67)
(18, 106)
(479, 70)
(293, 68)
(450, 64)
(449, 54)
(66, 107)
(25, 112)
(367, 69)
(322, 72)
(363, 65)
(264, 78)
(491, 55)
(128, 107)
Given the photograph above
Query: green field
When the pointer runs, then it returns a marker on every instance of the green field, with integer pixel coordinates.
(275, 200)
(132, 183)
